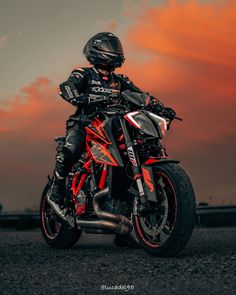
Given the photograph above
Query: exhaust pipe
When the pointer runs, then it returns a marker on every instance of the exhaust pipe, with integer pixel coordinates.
(110, 221)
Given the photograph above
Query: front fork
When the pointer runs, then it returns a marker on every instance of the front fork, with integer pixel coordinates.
(141, 198)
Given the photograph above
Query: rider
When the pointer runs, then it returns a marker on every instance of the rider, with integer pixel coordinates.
(104, 51)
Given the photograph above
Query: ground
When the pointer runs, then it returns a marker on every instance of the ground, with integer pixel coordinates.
(28, 266)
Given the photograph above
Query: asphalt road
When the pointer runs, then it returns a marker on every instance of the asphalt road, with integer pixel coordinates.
(29, 266)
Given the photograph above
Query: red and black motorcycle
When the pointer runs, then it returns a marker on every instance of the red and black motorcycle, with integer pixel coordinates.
(125, 180)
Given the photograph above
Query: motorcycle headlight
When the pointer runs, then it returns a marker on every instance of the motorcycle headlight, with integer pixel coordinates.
(161, 122)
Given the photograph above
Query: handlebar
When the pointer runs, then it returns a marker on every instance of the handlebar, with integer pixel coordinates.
(93, 98)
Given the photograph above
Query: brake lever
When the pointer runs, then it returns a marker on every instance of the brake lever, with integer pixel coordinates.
(170, 121)
(179, 119)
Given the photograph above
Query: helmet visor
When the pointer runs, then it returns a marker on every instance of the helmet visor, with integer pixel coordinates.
(112, 46)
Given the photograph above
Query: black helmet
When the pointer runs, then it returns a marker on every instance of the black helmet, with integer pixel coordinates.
(105, 50)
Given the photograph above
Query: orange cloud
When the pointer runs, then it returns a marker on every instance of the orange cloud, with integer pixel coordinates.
(33, 109)
(185, 54)
(190, 61)
(189, 31)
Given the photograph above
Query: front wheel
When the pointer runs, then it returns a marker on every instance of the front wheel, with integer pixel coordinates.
(168, 228)
(56, 233)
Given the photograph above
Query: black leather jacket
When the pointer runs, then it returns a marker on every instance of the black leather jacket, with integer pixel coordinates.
(91, 83)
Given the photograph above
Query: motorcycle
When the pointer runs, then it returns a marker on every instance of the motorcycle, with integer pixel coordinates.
(123, 181)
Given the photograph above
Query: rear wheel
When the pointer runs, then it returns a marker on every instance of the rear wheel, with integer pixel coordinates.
(56, 233)
(168, 228)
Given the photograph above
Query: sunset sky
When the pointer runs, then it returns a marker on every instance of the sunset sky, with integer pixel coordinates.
(183, 52)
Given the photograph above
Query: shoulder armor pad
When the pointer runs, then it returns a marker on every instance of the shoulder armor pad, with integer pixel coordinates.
(79, 72)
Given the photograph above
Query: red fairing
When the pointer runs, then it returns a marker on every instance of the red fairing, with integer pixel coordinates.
(101, 154)
(97, 131)
(147, 179)
(97, 142)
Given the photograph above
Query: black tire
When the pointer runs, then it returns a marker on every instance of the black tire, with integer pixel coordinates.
(62, 236)
(184, 208)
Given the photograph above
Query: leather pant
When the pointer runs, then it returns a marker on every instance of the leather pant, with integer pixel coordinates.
(69, 153)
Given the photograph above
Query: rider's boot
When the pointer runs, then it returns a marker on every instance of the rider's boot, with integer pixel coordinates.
(57, 194)
(56, 197)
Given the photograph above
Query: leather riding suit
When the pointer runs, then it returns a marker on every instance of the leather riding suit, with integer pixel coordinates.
(87, 82)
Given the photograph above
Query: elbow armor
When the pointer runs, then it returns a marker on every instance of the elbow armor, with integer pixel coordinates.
(69, 92)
